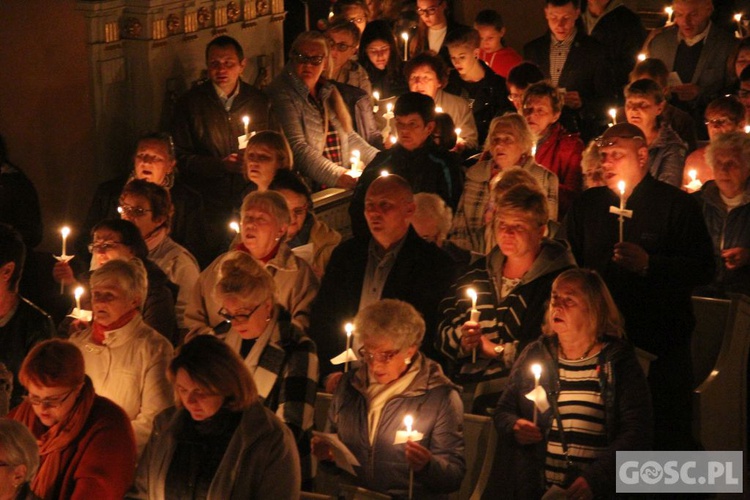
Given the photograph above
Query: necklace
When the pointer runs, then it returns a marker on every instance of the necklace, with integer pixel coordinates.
(585, 354)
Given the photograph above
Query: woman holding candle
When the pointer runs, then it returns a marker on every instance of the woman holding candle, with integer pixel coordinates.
(512, 284)
(86, 443)
(370, 403)
(509, 144)
(218, 441)
(594, 384)
(726, 209)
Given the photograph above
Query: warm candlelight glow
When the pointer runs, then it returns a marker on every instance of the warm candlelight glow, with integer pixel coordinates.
(389, 107)
(472, 294)
(621, 187)
(393, 139)
(405, 36)
(747, 129)
(78, 292)
(65, 231)
(669, 11)
(384, 173)
(246, 120)
(458, 132)
(738, 17)
(376, 95)
(438, 109)
(536, 369)
(408, 422)
(234, 226)
(349, 329)
(613, 113)
(641, 56)
(693, 174)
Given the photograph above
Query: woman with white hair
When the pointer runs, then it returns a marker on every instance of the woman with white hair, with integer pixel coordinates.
(509, 144)
(432, 220)
(19, 460)
(370, 405)
(726, 209)
(314, 116)
(125, 358)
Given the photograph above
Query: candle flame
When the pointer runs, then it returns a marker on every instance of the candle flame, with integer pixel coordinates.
(458, 131)
(246, 120)
(384, 173)
(65, 231)
(349, 329)
(692, 174)
(389, 107)
(471, 293)
(438, 109)
(78, 292)
(393, 139)
(405, 36)
(669, 11)
(376, 95)
(234, 226)
(738, 17)
(621, 187)
(641, 56)
(747, 129)
(408, 421)
(536, 369)
(356, 153)
(613, 113)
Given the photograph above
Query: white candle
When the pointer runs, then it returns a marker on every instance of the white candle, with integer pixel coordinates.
(388, 116)
(621, 187)
(78, 293)
(536, 368)
(408, 422)
(474, 316)
(234, 226)
(613, 114)
(405, 36)
(355, 159)
(65, 231)
(669, 11)
(458, 133)
(376, 98)
(349, 328)
(246, 121)
(738, 20)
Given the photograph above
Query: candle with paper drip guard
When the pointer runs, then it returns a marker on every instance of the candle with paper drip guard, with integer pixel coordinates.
(64, 257)
(621, 212)
(242, 140)
(695, 183)
(405, 36)
(409, 434)
(669, 11)
(388, 117)
(79, 313)
(376, 97)
(474, 316)
(348, 354)
(356, 163)
(613, 114)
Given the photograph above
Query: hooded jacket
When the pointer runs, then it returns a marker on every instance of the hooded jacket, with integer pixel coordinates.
(436, 406)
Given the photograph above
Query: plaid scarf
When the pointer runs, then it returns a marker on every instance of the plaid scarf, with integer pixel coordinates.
(332, 150)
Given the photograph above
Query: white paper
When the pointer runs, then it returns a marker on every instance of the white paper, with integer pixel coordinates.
(403, 436)
(304, 252)
(343, 457)
(81, 314)
(345, 356)
(673, 79)
(539, 397)
(555, 493)
(242, 141)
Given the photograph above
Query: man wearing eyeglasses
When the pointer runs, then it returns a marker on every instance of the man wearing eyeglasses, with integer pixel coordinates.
(664, 253)
(207, 124)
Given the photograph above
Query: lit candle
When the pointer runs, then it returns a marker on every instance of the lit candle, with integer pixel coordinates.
(408, 422)
(669, 11)
(458, 133)
(234, 226)
(536, 368)
(384, 173)
(405, 36)
(355, 159)
(695, 183)
(621, 212)
(349, 328)
(65, 231)
(388, 116)
(641, 57)
(393, 139)
(438, 109)
(246, 121)
(747, 129)
(474, 316)
(376, 97)
(738, 20)
(613, 114)
(78, 293)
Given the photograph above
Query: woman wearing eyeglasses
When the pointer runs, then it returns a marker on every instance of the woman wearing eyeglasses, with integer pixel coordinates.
(372, 401)
(19, 461)
(314, 116)
(125, 358)
(86, 443)
(120, 239)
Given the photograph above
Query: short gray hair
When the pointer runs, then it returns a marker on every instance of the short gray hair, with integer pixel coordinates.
(737, 143)
(393, 320)
(19, 446)
(243, 277)
(129, 275)
(515, 125)
(430, 205)
(270, 202)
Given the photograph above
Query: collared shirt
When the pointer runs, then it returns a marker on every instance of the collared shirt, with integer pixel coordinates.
(225, 99)
(696, 39)
(558, 54)
(379, 265)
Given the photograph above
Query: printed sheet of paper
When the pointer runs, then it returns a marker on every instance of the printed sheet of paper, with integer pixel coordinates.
(345, 356)
(343, 457)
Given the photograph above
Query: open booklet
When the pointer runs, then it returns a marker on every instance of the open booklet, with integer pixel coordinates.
(343, 457)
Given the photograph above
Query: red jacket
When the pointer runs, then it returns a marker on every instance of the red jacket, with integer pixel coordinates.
(561, 153)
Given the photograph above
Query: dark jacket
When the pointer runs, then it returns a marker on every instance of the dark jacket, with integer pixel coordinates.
(19, 204)
(727, 230)
(518, 317)
(435, 405)
(360, 108)
(28, 326)
(560, 152)
(387, 85)
(188, 221)
(586, 71)
(420, 276)
(488, 97)
(428, 169)
(628, 415)
(669, 226)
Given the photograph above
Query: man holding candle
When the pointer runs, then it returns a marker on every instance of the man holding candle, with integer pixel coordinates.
(666, 252)
(206, 126)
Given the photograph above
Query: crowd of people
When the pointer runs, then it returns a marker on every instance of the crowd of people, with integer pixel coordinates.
(520, 224)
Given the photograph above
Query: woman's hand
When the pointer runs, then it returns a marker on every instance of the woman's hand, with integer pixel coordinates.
(736, 257)
(62, 273)
(332, 382)
(417, 455)
(579, 490)
(321, 449)
(526, 432)
(471, 335)
(346, 181)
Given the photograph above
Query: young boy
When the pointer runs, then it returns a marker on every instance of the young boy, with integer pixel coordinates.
(474, 80)
(489, 24)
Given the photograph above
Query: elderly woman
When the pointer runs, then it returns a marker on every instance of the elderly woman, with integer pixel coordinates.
(267, 153)
(427, 73)
(19, 455)
(307, 236)
(149, 207)
(314, 116)
(432, 220)
(644, 104)
(726, 209)
(154, 161)
(557, 150)
(86, 443)
(121, 240)
(512, 284)
(263, 230)
(218, 442)
(594, 384)
(508, 145)
(125, 358)
(371, 402)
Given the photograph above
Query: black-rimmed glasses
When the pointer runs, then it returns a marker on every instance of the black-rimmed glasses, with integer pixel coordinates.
(238, 318)
(54, 402)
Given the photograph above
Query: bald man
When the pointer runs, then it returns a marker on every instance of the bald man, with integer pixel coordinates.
(395, 264)
(664, 253)
(697, 50)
